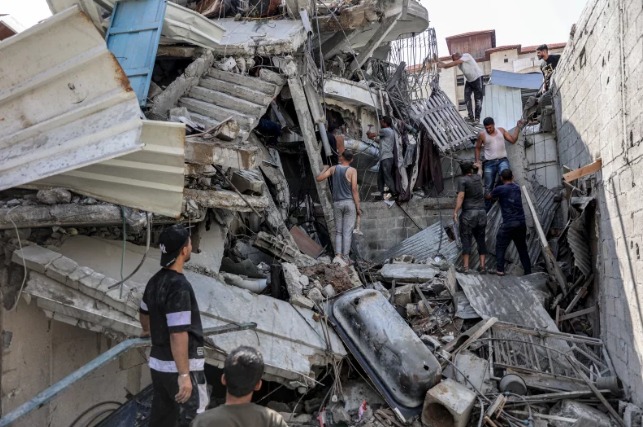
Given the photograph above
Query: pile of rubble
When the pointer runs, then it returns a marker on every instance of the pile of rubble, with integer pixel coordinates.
(228, 137)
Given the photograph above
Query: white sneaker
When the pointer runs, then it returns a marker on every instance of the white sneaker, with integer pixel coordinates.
(339, 261)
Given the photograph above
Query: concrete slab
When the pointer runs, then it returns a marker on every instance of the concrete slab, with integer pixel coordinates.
(291, 342)
(262, 37)
(409, 272)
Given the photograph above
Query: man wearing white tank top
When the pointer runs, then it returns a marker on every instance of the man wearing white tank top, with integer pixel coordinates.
(492, 142)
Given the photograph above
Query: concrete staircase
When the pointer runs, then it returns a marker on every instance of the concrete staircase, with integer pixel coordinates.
(221, 94)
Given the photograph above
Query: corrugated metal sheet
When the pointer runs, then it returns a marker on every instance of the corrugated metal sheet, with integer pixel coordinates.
(133, 37)
(541, 151)
(516, 80)
(64, 101)
(180, 24)
(424, 244)
(151, 179)
(502, 103)
(578, 243)
(488, 295)
(546, 205)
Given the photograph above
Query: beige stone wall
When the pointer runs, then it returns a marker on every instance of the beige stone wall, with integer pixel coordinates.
(600, 114)
(38, 352)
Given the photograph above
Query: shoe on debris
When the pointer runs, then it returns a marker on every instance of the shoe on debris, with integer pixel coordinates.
(339, 261)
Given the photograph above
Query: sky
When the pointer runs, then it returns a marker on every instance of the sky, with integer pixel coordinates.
(515, 21)
(27, 12)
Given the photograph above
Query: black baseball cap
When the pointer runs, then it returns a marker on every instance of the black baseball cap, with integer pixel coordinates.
(171, 241)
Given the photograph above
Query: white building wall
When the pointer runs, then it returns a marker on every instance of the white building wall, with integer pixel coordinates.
(599, 112)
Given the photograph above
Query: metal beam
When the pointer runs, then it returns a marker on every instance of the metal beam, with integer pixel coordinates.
(312, 148)
(380, 34)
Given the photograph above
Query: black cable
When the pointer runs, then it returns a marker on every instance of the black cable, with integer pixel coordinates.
(91, 408)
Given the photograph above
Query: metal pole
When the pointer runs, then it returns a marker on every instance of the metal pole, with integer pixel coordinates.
(46, 395)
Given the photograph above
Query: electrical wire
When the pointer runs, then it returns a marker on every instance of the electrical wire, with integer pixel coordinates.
(91, 408)
(147, 249)
(24, 264)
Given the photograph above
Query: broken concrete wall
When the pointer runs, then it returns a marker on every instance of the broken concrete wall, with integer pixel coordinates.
(38, 351)
(385, 227)
(599, 114)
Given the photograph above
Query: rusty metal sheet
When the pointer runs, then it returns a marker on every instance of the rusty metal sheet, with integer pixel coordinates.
(305, 243)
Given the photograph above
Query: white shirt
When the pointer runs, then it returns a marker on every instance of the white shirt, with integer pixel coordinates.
(470, 68)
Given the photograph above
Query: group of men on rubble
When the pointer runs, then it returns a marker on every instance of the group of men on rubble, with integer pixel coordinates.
(169, 311)
(473, 76)
(475, 195)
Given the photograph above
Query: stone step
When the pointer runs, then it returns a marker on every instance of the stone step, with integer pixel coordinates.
(217, 113)
(238, 91)
(245, 81)
(227, 101)
(209, 123)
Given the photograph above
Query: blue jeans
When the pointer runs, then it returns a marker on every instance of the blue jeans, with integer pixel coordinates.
(491, 169)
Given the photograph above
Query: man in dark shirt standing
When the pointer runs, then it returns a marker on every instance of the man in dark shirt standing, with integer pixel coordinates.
(513, 226)
(170, 314)
(550, 62)
(473, 219)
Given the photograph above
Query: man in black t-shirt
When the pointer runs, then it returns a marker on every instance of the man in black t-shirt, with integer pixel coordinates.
(549, 64)
(473, 219)
(170, 314)
(514, 227)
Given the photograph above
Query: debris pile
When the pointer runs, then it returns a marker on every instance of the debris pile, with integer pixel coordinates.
(243, 105)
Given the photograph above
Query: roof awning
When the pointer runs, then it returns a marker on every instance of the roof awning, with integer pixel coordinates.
(516, 80)
(66, 105)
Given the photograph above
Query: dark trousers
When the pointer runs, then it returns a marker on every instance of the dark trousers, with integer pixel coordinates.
(490, 171)
(386, 176)
(472, 225)
(476, 88)
(512, 232)
(166, 412)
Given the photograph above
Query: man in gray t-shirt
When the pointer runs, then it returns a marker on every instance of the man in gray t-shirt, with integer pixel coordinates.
(473, 220)
(386, 139)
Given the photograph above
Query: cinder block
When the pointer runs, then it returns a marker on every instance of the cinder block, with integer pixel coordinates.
(448, 404)
(60, 268)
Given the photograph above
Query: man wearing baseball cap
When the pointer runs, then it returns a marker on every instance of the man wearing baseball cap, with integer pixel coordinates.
(169, 313)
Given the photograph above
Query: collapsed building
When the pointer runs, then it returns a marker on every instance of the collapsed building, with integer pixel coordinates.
(129, 116)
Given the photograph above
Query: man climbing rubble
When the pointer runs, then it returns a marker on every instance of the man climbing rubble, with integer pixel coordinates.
(549, 64)
(346, 204)
(514, 227)
(492, 139)
(169, 313)
(474, 84)
(473, 219)
(386, 139)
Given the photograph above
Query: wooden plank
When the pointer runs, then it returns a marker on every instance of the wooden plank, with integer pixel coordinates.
(583, 171)
(550, 261)
(580, 294)
(578, 313)
(473, 334)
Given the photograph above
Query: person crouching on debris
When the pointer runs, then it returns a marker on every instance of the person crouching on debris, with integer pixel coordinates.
(386, 139)
(514, 227)
(242, 373)
(473, 219)
(169, 313)
(346, 204)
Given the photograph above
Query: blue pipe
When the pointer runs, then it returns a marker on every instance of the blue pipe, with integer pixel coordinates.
(46, 395)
